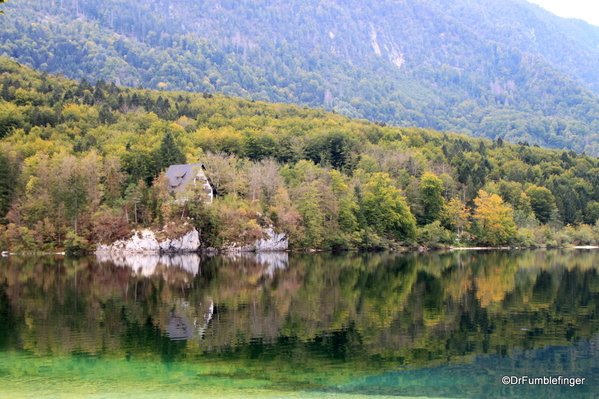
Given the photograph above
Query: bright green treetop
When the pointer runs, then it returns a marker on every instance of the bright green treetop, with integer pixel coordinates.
(386, 209)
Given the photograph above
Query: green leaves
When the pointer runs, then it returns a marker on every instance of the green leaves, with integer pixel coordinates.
(542, 202)
(386, 209)
(491, 85)
(326, 180)
(9, 174)
(431, 189)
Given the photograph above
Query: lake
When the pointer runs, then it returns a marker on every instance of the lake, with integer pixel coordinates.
(377, 325)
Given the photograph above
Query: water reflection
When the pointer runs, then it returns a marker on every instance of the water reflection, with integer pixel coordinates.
(147, 264)
(186, 321)
(189, 322)
(338, 322)
(151, 264)
(481, 377)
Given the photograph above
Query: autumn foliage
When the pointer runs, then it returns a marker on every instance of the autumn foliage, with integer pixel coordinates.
(83, 164)
(494, 221)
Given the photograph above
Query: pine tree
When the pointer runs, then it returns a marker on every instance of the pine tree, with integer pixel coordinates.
(169, 153)
(7, 184)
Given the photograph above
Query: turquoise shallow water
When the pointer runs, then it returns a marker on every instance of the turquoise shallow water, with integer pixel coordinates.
(442, 325)
(97, 378)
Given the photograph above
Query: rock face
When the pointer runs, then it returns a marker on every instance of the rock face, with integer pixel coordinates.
(145, 241)
(275, 242)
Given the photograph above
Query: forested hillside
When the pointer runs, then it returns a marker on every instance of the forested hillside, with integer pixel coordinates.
(487, 69)
(82, 164)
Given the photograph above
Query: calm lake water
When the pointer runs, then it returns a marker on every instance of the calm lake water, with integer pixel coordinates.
(437, 325)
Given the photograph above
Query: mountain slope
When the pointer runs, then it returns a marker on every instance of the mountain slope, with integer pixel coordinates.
(82, 164)
(493, 69)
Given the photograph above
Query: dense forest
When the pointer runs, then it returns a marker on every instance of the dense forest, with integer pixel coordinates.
(486, 69)
(84, 163)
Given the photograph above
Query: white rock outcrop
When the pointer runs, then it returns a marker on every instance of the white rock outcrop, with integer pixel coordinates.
(189, 242)
(145, 241)
(276, 242)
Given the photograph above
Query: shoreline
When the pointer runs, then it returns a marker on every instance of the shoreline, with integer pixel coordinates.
(307, 251)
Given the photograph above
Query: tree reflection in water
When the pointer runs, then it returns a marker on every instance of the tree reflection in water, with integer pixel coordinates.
(315, 317)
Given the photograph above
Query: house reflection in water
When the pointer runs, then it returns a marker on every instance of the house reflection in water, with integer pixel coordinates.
(189, 322)
(183, 320)
(178, 328)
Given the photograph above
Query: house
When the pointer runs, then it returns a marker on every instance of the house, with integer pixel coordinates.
(187, 178)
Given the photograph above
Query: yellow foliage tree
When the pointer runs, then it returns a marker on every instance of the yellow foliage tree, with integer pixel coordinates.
(494, 220)
(455, 216)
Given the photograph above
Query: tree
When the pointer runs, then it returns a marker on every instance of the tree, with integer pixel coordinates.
(113, 179)
(309, 204)
(169, 152)
(494, 220)
(140, 164)
(224, 171)
(11, 117)
(455, 217)
(386, 210)
(592, 212)
(133, 195)
(542, 202)
(348, 206)
(111, 225)
(8, 181)
(431, 194)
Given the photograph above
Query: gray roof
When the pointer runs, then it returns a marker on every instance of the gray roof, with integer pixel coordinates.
(180, 176)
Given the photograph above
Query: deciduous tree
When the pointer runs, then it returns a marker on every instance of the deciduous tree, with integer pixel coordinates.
(494, 220)
(542, 202)
(386, 210)
(455, 217)
(431, 195)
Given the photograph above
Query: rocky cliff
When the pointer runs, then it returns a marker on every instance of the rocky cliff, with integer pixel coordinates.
(274, 242)
(147, 241)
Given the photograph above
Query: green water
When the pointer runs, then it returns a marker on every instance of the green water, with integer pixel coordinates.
(437, 325)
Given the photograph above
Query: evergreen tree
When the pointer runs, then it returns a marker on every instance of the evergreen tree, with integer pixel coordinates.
(169, 153)
(7, 184)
